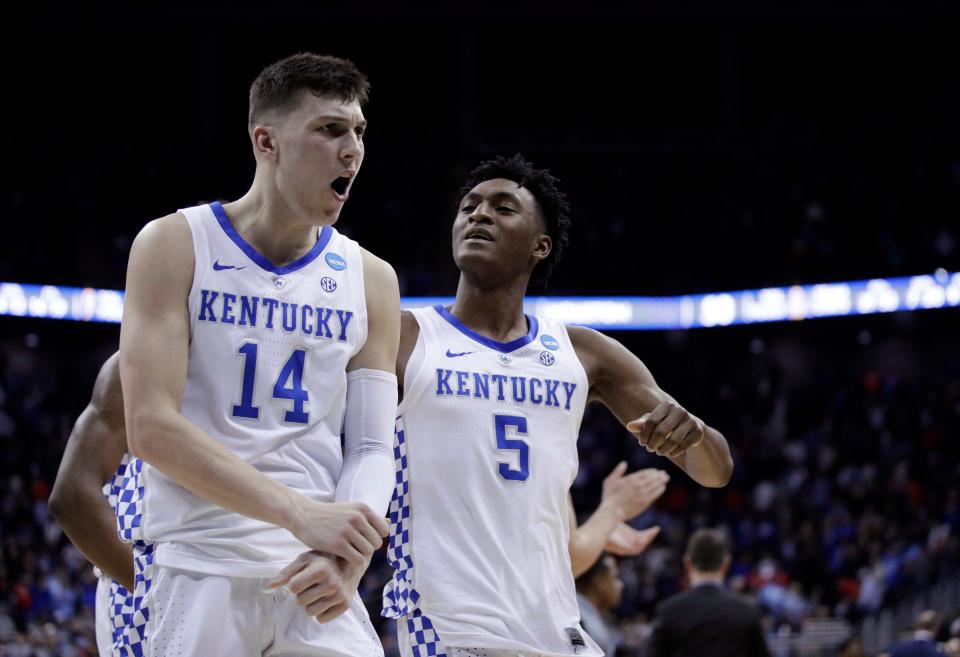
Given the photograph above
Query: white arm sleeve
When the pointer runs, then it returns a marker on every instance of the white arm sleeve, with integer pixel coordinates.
(368, 469)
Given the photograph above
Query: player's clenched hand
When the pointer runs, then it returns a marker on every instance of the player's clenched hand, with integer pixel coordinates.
(630, 495)
(625, 541)
(324, 585)
(349, 530)
(669, 429)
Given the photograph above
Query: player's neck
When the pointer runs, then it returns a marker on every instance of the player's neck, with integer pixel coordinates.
(494, 313)
(271, 227)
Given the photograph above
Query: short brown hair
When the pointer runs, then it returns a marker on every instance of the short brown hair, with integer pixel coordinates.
(706, 550)
(322, 75)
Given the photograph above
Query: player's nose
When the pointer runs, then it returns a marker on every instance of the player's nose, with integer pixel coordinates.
(352, 148)
(480, 214)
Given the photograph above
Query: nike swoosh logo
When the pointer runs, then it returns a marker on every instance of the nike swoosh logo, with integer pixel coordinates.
(218, 267)
(450, 354)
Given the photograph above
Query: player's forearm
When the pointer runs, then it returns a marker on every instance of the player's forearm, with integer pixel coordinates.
(710, 463)
(367, 475)
(91, 526)
(368, 478)
(587, 540)
(189, 456)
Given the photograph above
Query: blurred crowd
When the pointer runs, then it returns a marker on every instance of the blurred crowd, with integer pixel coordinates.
(844, 501)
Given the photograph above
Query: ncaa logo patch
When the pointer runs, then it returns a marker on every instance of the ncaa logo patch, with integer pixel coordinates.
(546, 358)
(549, 342)
(335, 261)
(328, 284)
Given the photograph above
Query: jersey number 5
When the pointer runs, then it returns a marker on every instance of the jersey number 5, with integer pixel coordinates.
(501, 422)
(291, 371)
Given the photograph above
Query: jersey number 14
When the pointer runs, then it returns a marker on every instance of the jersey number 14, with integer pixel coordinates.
(291, 372)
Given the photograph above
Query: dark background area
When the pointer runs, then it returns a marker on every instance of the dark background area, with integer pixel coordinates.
(704, 147)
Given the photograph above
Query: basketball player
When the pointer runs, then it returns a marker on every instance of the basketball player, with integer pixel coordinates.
(90, 480)
(486, 436)
(252, 332)
(84, 500)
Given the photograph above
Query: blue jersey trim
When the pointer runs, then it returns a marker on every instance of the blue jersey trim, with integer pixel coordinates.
(504, 347)
(325, 234)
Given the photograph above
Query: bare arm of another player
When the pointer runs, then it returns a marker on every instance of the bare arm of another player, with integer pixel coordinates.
(622, 383)
(93, 454)
(154, 340)
(624, 497)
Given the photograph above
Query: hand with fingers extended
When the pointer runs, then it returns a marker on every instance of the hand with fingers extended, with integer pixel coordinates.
(668, 430)
(324, 585)
(629, 495)
(351, 530)
(625, 541)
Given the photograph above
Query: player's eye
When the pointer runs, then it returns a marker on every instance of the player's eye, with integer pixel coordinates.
(468, 208)
(505, 209)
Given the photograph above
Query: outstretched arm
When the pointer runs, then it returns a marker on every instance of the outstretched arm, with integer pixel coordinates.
(622, 383)
(154, 340)
(94, 451)
(624, 497)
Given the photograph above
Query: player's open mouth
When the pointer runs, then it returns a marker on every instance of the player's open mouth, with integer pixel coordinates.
(341, 187)
(478, 234)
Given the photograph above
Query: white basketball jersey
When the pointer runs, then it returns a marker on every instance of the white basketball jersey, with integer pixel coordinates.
(486, 453)
(266, 377)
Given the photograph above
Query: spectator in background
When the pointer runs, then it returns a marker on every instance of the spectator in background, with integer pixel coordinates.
(852, 647)
(924, 642)
(707, 620)
(598, 594)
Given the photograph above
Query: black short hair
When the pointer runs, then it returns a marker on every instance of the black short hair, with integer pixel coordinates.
(706, 550)
(545, 188)
(321, 75)
(587, 577)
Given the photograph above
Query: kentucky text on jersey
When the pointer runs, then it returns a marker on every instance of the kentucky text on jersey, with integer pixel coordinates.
(226, 308)
(521, 389)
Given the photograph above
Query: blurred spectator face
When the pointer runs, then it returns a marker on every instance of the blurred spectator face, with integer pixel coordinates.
(853, 648)
(607, 586)
(952, 648)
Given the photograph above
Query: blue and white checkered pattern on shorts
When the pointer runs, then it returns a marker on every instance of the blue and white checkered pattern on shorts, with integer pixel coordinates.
(135, 617)
(399, 596)
(130, 502)
(127, 609)
(424, 640)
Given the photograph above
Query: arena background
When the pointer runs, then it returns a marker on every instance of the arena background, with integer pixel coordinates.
(705, 148)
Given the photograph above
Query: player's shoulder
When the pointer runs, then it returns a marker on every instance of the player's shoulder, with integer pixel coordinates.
(381, 289)
(107, 391)
(409, 326)
(376, 269)
(163, 251)
(168, 231)
(587, 340)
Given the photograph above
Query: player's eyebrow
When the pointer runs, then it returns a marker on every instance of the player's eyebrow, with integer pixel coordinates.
(339, 118)
(496, 196)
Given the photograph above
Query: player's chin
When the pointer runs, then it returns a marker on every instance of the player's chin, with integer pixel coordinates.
(481, 269)
(474, 261)
(326, 213)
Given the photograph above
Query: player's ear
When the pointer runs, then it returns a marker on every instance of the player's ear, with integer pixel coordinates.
(264, 142)
(542, 246)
